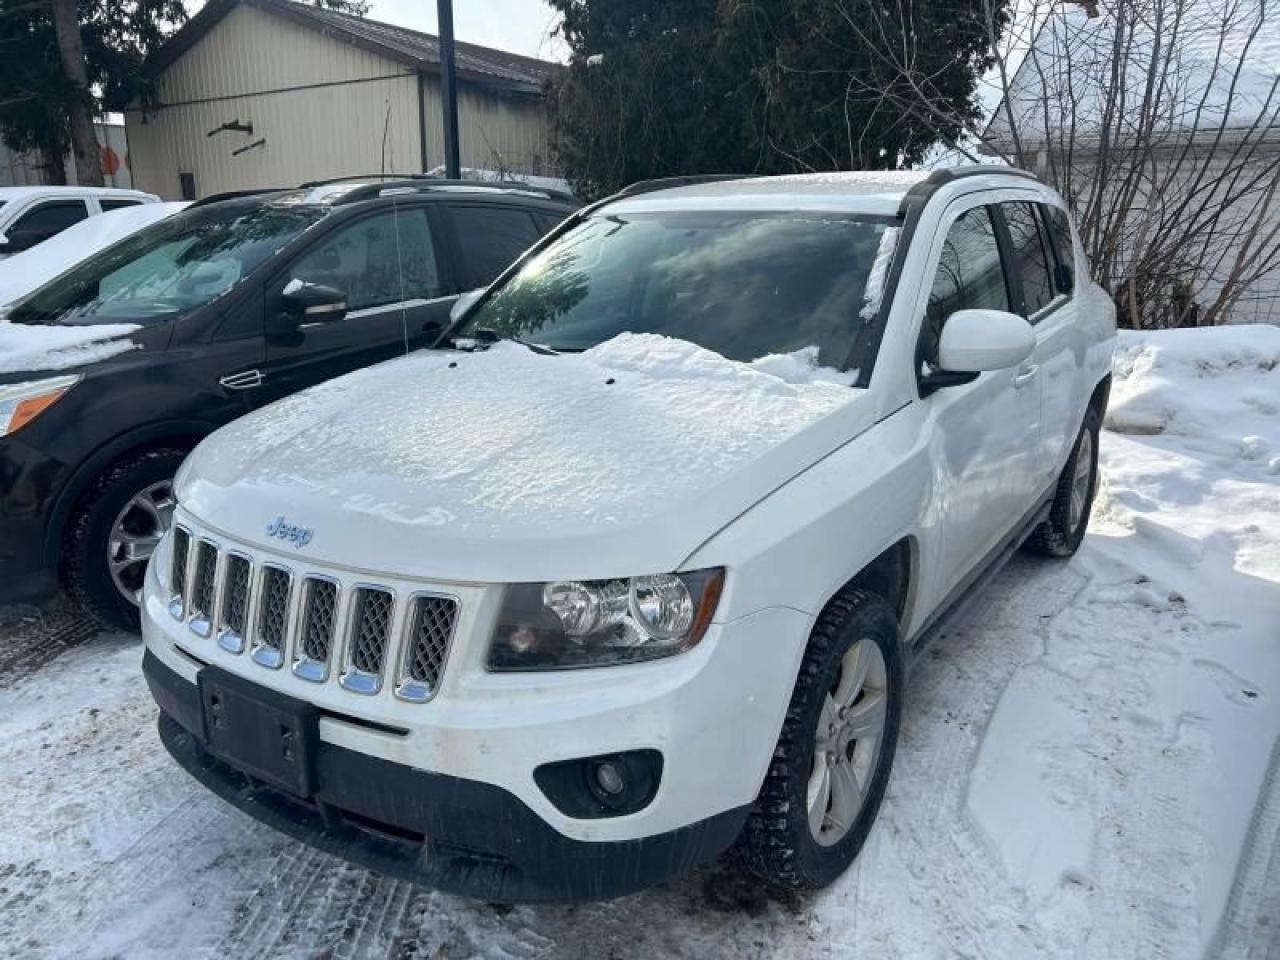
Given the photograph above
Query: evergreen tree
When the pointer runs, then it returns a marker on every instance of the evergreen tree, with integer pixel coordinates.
(770, 86)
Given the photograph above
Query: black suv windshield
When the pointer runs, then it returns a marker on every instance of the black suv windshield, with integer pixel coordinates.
(742, 284)
(169, 268)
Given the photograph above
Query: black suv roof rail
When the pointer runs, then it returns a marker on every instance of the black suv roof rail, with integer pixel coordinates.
(670, 183)
(426, 182)
(233, 195)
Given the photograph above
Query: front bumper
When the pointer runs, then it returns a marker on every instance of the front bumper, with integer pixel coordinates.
(28, 480)
(461, 836)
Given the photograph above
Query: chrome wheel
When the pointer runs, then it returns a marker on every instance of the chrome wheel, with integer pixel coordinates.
(134, 535)
(1080, 482)
(847, 743)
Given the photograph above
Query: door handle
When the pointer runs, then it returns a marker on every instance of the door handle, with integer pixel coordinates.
(1025, 376)
(244, 380)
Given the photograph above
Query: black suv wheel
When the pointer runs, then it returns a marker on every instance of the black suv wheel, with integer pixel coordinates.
(114, 531)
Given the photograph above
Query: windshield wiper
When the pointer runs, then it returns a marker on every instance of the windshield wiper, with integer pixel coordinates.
(486, 336)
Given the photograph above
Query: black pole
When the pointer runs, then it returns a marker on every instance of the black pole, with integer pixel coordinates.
(449, 90)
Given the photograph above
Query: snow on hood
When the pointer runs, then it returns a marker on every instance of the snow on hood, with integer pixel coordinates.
(32, 347)
(618, 460)
(31, 269)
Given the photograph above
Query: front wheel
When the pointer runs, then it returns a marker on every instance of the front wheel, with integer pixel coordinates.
(831, 765)
(1062, 533)
(114, 531)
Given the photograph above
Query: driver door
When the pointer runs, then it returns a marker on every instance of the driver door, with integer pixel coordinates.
(985, 434)
(397, 298)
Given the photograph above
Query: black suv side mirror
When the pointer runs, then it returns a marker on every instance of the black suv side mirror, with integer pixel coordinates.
(312, 302)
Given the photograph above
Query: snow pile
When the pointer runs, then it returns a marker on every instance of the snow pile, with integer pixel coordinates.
(666, 358)
(1217, 390)
(31, 269)
(33, 348)
(1134, 757)
(519, 443)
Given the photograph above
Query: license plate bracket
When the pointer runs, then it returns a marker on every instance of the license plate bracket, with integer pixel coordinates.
(266, 734)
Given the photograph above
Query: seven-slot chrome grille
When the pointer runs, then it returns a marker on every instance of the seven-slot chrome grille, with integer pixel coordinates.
(317, 623)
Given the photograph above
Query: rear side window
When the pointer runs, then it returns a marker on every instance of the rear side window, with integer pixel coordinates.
(1031, 261)
(1060, 231)
(116, 204)
(969, 275)
(50, 218)
(490, 238)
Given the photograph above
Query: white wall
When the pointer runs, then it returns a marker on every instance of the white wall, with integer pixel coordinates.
(325, 107)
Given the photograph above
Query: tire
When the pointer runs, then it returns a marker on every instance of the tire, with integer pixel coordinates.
(86, 572)
(1062, 533)
(779, 844)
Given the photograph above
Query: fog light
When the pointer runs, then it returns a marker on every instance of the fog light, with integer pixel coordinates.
(611, 785)
(609, 778)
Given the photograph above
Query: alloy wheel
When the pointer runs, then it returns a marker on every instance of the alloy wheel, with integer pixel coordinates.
(137, 529)
(847, 742)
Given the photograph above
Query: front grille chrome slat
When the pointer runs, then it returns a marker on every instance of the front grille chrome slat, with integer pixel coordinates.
(233, 615)
(204, 582)
(426, 646)
(271, 627)
(368, 636)
(178, 572)
(319, 626)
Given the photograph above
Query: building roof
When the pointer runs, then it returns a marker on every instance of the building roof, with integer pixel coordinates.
(420, 51)
(1217, 61)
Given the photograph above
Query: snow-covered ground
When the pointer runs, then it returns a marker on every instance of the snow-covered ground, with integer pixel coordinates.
(1088, 766)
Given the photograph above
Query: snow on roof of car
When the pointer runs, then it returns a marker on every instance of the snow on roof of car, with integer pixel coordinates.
(862, 191)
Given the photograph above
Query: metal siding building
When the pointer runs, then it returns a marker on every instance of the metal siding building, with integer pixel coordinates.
(326, 95)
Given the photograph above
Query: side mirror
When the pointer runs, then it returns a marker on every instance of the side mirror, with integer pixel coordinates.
(974, 341)
(313, 302)
(464, 303)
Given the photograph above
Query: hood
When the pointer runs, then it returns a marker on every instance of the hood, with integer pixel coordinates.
(509, 465)
(33, 348)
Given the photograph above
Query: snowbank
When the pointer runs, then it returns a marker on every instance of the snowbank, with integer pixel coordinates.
(33, 348)
(32, 269)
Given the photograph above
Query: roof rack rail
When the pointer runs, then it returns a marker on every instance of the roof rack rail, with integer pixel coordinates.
(668, 183)
(363, 176)
(426, 181)
(233, 195)
(921, 191)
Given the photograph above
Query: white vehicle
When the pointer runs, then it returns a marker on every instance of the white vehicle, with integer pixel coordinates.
(561, 617)
(31, 215)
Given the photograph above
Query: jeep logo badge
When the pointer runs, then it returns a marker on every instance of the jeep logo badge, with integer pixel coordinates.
(281, 529)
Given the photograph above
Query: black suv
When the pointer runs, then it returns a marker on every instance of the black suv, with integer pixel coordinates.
(237, 302)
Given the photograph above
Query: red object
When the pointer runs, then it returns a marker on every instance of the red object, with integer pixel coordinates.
(110, 161)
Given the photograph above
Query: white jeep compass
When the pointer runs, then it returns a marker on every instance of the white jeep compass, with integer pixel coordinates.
(627, 569)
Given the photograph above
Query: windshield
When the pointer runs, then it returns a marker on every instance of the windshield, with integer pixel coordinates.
(742, 284)
(169, 268)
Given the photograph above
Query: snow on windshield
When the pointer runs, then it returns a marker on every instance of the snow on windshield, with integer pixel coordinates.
(37, 347)
(31, 269)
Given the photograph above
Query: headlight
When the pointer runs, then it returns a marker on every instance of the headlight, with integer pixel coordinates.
(20, 403)
(595, 623)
